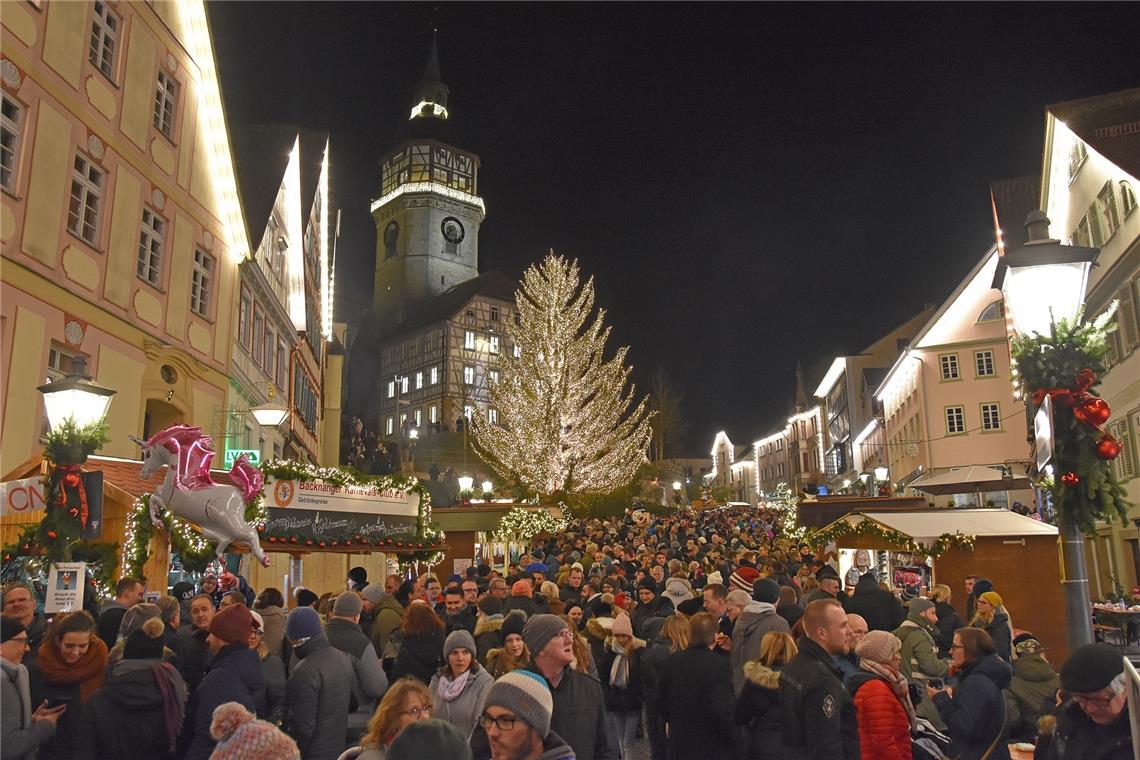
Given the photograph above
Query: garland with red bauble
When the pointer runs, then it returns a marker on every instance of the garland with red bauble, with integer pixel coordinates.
(1065, 366)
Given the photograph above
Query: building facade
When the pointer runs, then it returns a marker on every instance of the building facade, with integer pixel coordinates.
(1089, 186)
(120, 221)
(948, 400)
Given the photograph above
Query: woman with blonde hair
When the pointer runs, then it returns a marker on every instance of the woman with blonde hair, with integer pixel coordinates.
(405, 702)
(948, 619)
(513, 654)
(583, 654)
(991, 616)
(758, 707)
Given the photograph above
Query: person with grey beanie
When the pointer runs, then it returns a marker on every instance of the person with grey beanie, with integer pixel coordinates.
(460, 686)
(758, 618)
(919, 651)
(579, 714)
(343, 632)
(318, 694)
(515, 724)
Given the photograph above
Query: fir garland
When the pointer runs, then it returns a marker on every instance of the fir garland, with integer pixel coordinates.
(870, 529)
(1065, 363)
(525, 523)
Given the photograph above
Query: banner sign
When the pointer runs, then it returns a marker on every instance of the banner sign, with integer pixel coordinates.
(319, 525)
(253, 455)
(65, 587)
(21, 497)
(367, 500)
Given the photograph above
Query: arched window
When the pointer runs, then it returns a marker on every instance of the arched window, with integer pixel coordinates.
(995, 310)
(391, 235)
(1127, 198)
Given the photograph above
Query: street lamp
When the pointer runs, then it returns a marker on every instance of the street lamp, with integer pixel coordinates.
(676, 485)
(270, 414)
(881, 474)
(75, 397)
(488, 486)
(1043, 282)
(465, 482)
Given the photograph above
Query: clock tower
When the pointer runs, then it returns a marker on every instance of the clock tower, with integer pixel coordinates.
(429, 210)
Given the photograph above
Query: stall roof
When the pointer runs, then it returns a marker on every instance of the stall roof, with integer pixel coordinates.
(930, 524)
(972, 479)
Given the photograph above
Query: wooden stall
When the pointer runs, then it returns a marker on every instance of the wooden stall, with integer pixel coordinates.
(1020, 555)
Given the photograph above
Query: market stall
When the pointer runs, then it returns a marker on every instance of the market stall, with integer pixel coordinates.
(1017, 553)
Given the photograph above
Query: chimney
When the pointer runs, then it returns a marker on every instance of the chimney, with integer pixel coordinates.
(1036, 227)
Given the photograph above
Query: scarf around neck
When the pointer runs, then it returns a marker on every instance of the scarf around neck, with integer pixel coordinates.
(450, 688)
(619, 671)
(897, 682)
(88, 673)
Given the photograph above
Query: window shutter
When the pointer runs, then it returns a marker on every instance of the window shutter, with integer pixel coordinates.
(1126, 319)
(1126, 462)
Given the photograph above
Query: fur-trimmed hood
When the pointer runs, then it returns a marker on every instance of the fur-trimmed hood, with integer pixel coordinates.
(637, 643)
(762, 675)
(600, 627)
(488, 624)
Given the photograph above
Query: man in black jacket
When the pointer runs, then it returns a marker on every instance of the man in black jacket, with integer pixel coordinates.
(579, 715)
(128, 592)
(877, 606)
(819, 714)
(1094, 723)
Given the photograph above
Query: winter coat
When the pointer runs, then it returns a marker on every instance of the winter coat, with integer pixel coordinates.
(317, 698)
(388, 615)
(528, 606)
(818, 713)
(234, 676)
(919, 657)
(487, 635)
(20, 737)
(757, 619)
(1031, 694)
(371, 681)
(462, 712)
(71, 686)
(975, 716)
(274, 627)
(419, 656)
(110, 618)
(1076, 736)
(570, 594)
(270, 698)
(758, 710)
(193, 656)
(948, 622)
(131, 696)
(629, 698)
(652, 669)
(464, 621)
(648, 619)
(553, 747)
(579, 715)
(877, 606)
(1000, 632)
(790, 612)
(695, 700)
(884, 728)
(36, 631)
(597, 630)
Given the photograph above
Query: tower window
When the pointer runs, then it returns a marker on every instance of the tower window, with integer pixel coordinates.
(391, 235)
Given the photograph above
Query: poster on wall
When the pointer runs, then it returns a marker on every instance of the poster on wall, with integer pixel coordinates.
(459, 567)
(65, 587)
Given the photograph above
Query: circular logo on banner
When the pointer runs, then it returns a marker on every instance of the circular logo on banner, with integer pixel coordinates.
(283, 493)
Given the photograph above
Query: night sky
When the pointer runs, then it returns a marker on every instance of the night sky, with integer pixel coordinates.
(751, 185)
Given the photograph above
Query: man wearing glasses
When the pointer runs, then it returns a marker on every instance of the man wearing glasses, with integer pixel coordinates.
(20, 604)
(23, 731)
(515, 724)
(1094, 722)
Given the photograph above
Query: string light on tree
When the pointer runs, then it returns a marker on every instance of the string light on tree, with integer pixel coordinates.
(569, 421)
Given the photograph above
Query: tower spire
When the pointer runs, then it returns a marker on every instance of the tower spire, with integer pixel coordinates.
(801, 391)
(430, 100)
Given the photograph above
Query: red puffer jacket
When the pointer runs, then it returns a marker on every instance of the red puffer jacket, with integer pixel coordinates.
(884, 731)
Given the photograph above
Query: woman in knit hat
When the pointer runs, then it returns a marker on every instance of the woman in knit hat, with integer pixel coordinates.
(142, 692)
(241, 736)
(883, 709)
(72, 664)
(459, 687)
(620, 671)
(513, 654)
(991, 617)
(405, 702)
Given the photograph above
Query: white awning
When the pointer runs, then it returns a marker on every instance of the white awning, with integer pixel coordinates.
(929, 525)
(972, 479)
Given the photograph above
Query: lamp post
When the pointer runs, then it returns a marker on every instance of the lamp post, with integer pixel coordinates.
(1044, 281)
(75, 397)
(270, 414)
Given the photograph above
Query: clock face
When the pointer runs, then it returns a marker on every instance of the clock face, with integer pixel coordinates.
(452, 230)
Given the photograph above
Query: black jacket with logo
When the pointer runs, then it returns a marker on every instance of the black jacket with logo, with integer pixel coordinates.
(818, 713)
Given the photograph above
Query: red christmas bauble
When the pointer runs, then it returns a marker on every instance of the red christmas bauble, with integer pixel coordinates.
(272, 540)
(1070, 479)
(1108, 448)
(322, 543)
(309, 542)
(52, 534)
(1093, 411)
(293, 539)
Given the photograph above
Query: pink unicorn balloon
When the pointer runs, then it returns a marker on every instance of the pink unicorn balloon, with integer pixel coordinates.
(189, 492)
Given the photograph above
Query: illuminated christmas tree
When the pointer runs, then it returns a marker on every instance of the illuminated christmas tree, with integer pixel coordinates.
(568, 420)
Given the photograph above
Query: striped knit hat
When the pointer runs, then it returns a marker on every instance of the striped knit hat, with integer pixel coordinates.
(526, 695)
(743, 578)
(241, 737)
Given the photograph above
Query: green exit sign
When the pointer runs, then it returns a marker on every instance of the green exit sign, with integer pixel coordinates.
(253, 455)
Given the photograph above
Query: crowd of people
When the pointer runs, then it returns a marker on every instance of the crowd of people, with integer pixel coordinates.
(706, 633)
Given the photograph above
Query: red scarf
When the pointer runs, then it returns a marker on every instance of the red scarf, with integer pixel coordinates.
(88, 673)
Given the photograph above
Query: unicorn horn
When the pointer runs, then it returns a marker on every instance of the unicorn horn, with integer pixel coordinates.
(139, 441)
